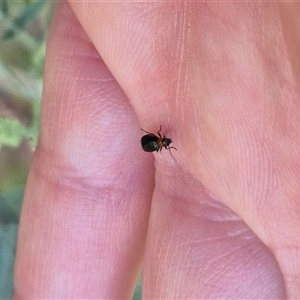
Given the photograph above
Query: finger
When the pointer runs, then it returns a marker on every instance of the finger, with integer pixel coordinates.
(87, 198)
(198, 248)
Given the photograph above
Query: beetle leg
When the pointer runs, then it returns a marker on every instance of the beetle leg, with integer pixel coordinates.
(172, 148)
(158, 132)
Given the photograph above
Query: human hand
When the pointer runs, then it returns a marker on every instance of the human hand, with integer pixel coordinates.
(219, 218)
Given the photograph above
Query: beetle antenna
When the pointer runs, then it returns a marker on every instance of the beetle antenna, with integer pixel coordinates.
(146, 131)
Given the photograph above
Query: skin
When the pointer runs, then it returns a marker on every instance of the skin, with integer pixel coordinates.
(219, 218)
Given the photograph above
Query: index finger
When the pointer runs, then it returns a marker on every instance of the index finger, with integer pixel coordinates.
(87, 199)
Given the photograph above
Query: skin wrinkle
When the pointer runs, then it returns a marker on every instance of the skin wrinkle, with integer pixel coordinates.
(228, 254)
(289, 25)
(180, 54)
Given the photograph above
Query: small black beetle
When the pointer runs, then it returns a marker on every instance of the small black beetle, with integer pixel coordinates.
(150, 142)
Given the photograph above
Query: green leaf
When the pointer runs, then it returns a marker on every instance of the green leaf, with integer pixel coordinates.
(11, 132)
(19, 22)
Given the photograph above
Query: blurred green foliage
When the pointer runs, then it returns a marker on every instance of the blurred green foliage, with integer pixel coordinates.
(19, 22)
(13, 131)
(138, 290)
(23, 29)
